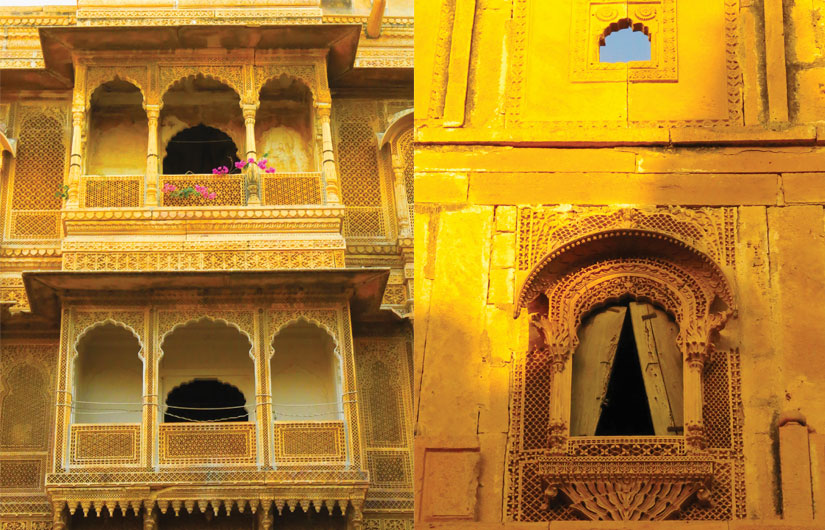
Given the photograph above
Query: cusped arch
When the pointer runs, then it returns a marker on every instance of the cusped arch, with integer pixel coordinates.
(400, 122)
(214, 320)
(305, 78)
(303, 318)
(621, 24)
(578, 252)
(98, 83)
(107, 321)
(215, 76)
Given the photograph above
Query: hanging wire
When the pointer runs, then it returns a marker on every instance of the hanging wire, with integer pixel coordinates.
(206, 421)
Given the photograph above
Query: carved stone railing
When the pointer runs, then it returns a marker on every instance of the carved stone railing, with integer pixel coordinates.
(116, 191)
(293, 188)
(104, 445)
(198, 444)
(230, 190)
(309, 443)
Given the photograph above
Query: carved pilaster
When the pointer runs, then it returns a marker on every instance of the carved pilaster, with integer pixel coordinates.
(150, 392)
(76, 161)
(333, 189)
(152, 158)
(694, 363)
(401, 207)
(263, 401)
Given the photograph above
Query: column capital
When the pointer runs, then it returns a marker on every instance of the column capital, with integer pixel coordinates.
(324, 109)
(152, 110)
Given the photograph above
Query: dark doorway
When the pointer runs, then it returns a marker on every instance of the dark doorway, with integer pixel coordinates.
(205, 394)
(199, 150)
(625, 410)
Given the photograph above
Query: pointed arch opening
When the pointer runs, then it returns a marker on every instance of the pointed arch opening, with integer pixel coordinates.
(306, 374)
(199, 150)
(108, 376)
(206, 373)
(118, 130)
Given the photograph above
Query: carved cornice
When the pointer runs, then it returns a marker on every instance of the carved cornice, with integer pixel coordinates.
(206, 213)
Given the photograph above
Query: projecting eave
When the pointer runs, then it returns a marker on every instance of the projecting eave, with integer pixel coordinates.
(364, 287)
(340, 39)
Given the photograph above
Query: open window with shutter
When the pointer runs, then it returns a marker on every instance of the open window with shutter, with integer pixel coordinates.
(627, 374)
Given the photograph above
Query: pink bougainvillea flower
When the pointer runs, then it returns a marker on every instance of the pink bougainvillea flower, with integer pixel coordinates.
(212, 195)
(262, 163)
(167, 188)
(239, 165)
(251, 160)
(270, 170)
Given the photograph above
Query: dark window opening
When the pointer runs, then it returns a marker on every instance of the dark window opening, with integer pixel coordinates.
(627, 374)
(205, 394)
(625, 410)
(625, 42)
(199, 150)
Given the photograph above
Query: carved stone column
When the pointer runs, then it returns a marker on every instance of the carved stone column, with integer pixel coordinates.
(694, 363)
(150, 516)
(355, 517)
(60, 519)
(265, 517)
(150, 393)
(253, 180)
(560, 388)
(76, 161)
(152, 158)
(401, 205)
(333, 189)
(263, 393)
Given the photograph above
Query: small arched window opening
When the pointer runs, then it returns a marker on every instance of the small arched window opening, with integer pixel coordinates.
(627, 374)
(108, 376)
(624, 41)
(199, 150)
(206, 373)
(205, 400)
(306, 383)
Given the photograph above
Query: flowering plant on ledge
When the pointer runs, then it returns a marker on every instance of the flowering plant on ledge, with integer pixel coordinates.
(241, 165)
(203, 191)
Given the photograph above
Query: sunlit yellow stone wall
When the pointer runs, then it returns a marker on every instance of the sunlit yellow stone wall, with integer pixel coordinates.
(525, 143)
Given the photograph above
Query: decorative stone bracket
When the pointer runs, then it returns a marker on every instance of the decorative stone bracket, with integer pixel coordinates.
(627, 490)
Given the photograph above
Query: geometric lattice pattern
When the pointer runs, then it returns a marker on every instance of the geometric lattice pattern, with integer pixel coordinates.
(35, 224)
(111, 192)
(105, 445)
(229, 190)
(292, 188)
(21, 474)
(388, 524)
(39, 169)
(309, 443)
(25, 408)
(357, 157)
(526, 496)
(207, 443)
(386, 408)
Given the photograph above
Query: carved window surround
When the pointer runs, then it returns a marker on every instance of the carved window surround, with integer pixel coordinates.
(592, 21)
(608, 477)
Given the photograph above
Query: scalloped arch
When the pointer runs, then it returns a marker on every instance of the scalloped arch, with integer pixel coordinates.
(90, 90)
(109, 320)
(314, 322)
(224, 80)
(185, 323)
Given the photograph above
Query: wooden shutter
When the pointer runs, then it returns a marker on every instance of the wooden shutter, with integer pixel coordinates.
(661, 363)
(592, 364)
